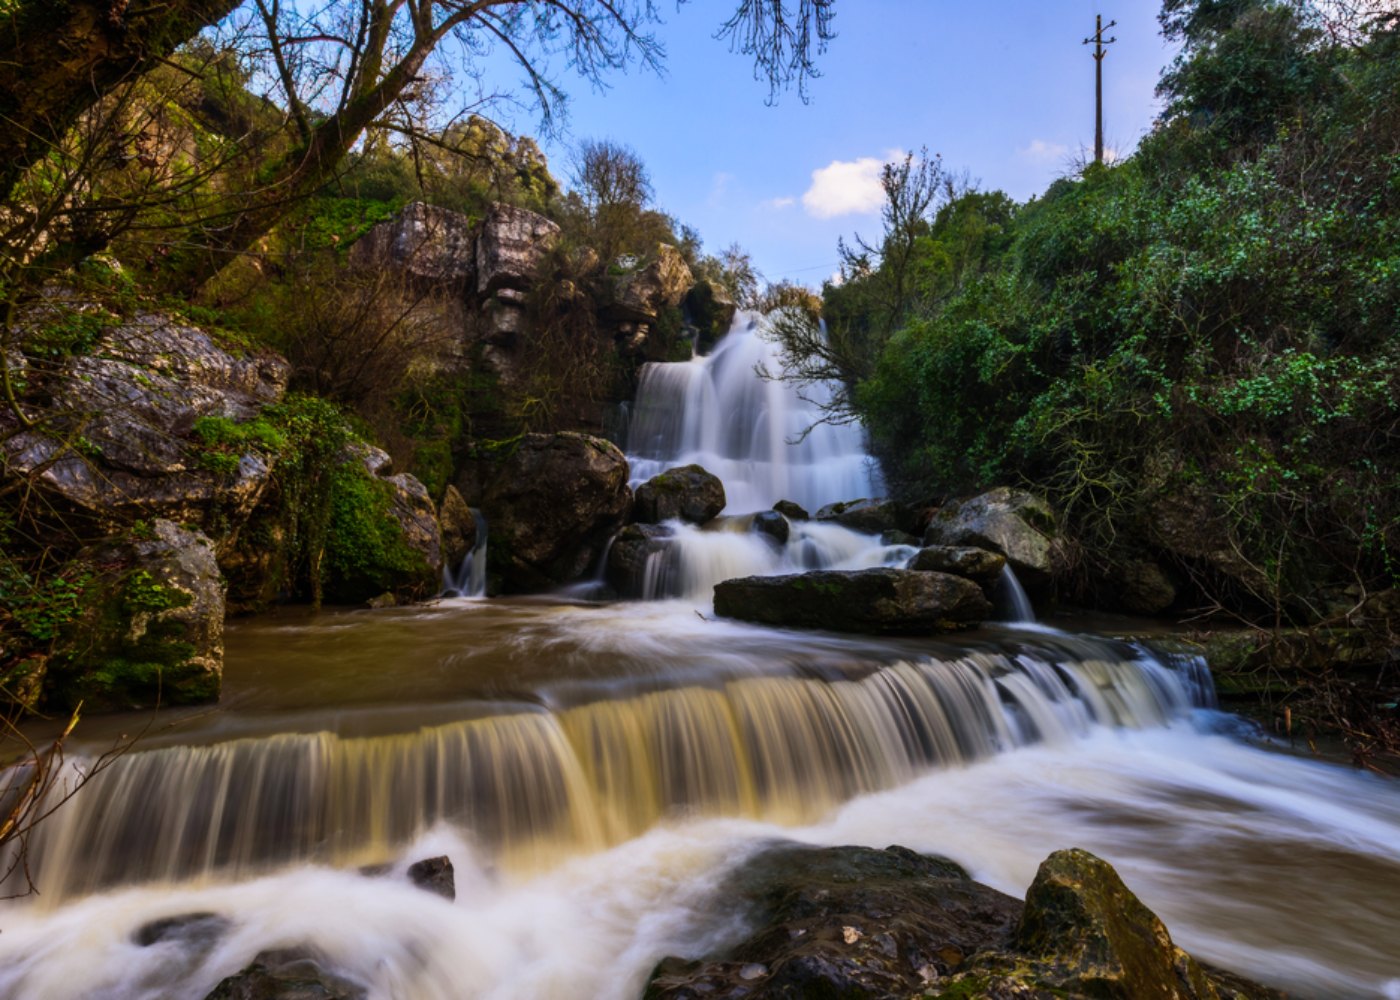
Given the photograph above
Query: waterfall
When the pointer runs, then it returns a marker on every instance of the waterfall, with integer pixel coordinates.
(760, 436)
(1019, 605)
(533, 783)
(469, 579)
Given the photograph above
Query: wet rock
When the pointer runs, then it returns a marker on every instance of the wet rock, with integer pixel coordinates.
(510, 246)
(1017, 524)
(134, 402)
(890, 925)
(896, 537)
(458, 527)
(844, 922)
(384, 600)
(152, 632)
(195, 930)
(772, 524)
(869, 516)
(689, 493)
(412, 508)
(287, 974)
(434, 875)
(661, 284)
(869, 600)
(424, 242)
(712, 309)
(632, 553)
(1141, 586)
(551, 503)
(974, 563)
(791, 511)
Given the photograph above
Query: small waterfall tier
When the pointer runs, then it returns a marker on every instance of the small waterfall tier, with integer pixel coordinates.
(534, 783)
(762, 437)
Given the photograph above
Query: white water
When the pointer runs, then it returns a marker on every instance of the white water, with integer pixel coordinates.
(469, 579)
(1281, 869)
(716, 411)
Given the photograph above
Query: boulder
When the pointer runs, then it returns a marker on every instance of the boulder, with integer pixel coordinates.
(435, 875)
(661, 284)
(426, 243)
(632, 560)
(871, 517)
(868, 600)
(711, 309)
(551, 503)
(510, 246)
(152, 632)
(689, 493)
(973, 563)
(458, 525)
(896, 537)
(890, 925)
(772, 524)
(1141, 586)
(412, 509)
(134, 402)
(1014, 523)
(287, 974)
(791, 511)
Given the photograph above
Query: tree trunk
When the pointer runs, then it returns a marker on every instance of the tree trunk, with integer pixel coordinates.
(59, 57)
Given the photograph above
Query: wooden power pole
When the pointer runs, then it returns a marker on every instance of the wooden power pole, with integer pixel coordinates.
(1098, 42)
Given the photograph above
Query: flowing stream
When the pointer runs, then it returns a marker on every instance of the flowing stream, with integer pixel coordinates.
(594, 771)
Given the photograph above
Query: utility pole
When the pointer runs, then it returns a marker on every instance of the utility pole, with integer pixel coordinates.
(1098, 42)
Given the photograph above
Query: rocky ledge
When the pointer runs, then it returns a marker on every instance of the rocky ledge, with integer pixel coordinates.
(853, 922)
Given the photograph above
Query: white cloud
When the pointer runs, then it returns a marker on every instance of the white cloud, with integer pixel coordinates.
(845, 187)
(778, 204)
(1044, 151)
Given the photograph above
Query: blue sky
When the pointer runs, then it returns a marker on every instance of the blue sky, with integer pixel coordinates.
(1001, 88)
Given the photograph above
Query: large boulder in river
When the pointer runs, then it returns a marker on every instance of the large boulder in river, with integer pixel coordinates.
(551, 503)
(889, 925)
(510, 246)
(688, 492)
(661, 284)
(426, 243)
(872, 517)
(134, 402)
(1015, 523)
(867, 600)
(151, 631)
(638, 561)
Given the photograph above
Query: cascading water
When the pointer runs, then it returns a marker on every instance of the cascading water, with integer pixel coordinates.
(469, 579)
(760, 436)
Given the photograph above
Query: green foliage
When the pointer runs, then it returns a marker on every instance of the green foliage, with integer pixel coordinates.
(40, 608)
(1220, 326)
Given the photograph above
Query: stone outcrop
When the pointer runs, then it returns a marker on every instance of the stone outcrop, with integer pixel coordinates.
(689, 493)
(869, 516)
(892, 924)
(711, 309)
(133, 402)
(152, 629)
(458, 528)
(551, 503)
(868, 600)
(1014, 523)
(661, 284)
(973, 563)
(510, 246)
(424, 242)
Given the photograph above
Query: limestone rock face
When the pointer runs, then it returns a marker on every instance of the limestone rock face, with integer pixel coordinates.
(868, 600)
(661, 284)
(1017, 524)
(689, 493)
(153, 629)
(510, 246)
(458, 527)
(426, 243)
(976, 564)
(134, 402)
(551, 504)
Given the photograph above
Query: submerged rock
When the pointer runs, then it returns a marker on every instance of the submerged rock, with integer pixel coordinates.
(689, 493)
(1014, 523)
(435, 875)
(890, 925)
(551, 504)
(288, 974)
(868, 600)
(869, 516)
(974, 563)
(772, 524)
